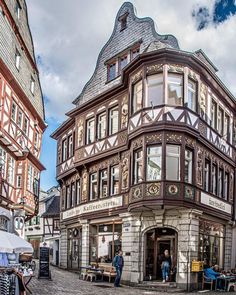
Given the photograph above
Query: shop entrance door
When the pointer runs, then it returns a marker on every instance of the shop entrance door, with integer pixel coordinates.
(157, 241)
(74, 252)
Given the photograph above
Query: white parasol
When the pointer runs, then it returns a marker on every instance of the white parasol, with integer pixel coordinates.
(11, 243)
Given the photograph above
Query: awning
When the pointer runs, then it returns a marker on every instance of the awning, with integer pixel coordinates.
(11, 243)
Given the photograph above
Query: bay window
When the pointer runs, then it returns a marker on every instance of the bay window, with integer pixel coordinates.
(175, 90)
(192, 95)
(103, 184)
(137, 96)
(93, 186)
(90, 131)
(154, 90)
(188, 166)
(138, 166)
(114, 180)
(113, 120)
(101, 129)
(172, 162)
(154, 163)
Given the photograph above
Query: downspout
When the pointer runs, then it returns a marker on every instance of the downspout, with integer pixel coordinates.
(140, 247)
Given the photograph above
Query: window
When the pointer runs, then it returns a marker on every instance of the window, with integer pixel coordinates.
(10, 171)
(175, 90)
(101, 132)
(134, 53)
(90, 130)
(18, 181)
(154, 90)
(226, 186)
(25, 126)
(123, 21)
(64, 150)
(188, 167)
(13, 111)
(213, 114)
(32, 85)
(17, 59)
(72, 204)
(78, 192)
(68, 197)
(19, 119)
(172, 162)
(123, 62)
(103, 184)
(214, 179)
(113, 120)
(154, 159)
(3, 160)
(137, 96)
(93, 186)
(70, 146)
(221, 183)
(138, 166)
(18, 9)
(111, 71)
(227, 128)
(56, 224)
(36, 139)
(192, 95)
(220, 121)
(114, 180)
(30, 178)
(207, 176)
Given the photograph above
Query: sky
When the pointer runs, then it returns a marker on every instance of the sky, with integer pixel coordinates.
(69, 34)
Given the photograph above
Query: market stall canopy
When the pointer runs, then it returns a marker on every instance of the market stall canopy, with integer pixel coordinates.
(10, 243)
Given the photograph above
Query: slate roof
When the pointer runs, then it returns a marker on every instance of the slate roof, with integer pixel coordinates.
(53, 209)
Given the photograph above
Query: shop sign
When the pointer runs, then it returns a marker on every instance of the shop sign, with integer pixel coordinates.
(95, 206)
(215, 203)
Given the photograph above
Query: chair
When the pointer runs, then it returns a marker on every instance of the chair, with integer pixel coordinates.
(206, 280)
(92, 276)
(232, 284)
(83, 275)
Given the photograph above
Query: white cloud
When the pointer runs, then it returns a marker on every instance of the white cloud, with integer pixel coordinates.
(68, 38)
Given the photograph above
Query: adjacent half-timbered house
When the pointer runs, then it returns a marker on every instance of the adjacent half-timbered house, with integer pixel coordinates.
(146, 159)
(21, 116)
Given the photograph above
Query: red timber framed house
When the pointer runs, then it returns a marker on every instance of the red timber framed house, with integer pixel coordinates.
(146, 159)
(21, 118)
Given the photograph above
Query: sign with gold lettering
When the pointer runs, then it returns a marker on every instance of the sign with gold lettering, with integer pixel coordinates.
(215, 203)
(109, 203)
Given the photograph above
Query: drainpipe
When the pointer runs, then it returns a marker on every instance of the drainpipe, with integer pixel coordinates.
(140, 247)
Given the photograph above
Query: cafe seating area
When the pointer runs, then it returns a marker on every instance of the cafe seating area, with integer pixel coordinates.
(100, 271)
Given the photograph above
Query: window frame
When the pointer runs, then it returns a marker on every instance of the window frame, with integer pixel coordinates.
(207, 181)
(111, 65)
(101, 185)
(133, 92)
(91, 183)
(64, 150)
(110, 132)
(173, 155)
(113, 180)
(159, 155)
(149, 85)
(190, 89)
(99, 125)
(90, 136)
(190, 160)
(136, 165)
(169, 74)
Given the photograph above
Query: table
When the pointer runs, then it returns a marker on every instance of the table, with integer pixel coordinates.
(95, 271)
(226, 280)
(24, 280)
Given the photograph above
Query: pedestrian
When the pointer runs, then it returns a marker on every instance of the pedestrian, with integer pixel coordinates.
(118, 263)
(166, 266)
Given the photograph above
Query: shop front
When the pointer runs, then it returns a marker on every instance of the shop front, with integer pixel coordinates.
(74, 252)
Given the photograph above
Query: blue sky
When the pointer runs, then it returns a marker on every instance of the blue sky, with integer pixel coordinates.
(68, 39)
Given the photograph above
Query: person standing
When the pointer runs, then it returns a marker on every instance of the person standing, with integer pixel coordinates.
(118, 263)
(165, 266)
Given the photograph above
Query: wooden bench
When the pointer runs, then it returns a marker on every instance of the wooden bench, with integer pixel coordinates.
(108, 270)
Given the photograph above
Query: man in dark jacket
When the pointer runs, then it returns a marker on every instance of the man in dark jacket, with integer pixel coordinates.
(118, 263)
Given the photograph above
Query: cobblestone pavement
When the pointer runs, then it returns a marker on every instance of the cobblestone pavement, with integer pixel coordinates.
(68, 283)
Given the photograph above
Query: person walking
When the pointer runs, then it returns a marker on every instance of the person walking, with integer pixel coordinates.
(165, 266)
(118, 263)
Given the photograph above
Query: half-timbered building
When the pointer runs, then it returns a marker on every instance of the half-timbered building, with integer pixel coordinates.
(22, 117)
(146, 159)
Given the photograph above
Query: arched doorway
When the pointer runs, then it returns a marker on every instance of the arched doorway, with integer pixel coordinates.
(157, 240)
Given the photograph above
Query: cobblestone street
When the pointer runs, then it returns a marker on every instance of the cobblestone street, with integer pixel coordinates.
(64, 282)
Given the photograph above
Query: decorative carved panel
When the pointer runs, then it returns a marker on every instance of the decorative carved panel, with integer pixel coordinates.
(203, 129)
(176, 68)
(80, 132)
(136, 192)
(172, 189)
(154, 138)
(153, 189)
(175, 138)
(190, 142)
(189, 192)
(154, 69)
(137, 76)
(137, 143)
(192, 74)
(125, 171)
(199, 170)
(84, 186)
(124, 112)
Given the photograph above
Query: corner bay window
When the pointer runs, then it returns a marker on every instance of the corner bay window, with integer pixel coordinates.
(154, 163)
(192, 95)
(172, 162)
(154, 90)
(103, 184)
(188, 167)
(138, 166)
(114, 180)
(175, 90)
(93, 186)
(113, 120)
(137, 95)
(90, 131)
(101, 127)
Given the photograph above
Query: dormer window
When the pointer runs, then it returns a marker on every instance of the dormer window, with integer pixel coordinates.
(134, 53)
(123, 21)
(123, 62)
(111, 71)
